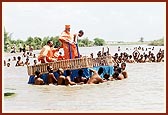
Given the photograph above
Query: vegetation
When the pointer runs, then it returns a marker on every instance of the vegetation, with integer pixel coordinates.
(37, 42)
(8, 94)
(99, 42)
(159, 42)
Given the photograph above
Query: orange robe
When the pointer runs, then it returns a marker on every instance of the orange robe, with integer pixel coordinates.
(68, 45)
(47, 52)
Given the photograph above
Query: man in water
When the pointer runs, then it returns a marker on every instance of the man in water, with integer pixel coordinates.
(37, 79)
(47, 53)
(117, 75)
(61, 77)
(19, 62)
(51, 78)
(80, 78)
(95, 78)
(68, 78)
(123, 70)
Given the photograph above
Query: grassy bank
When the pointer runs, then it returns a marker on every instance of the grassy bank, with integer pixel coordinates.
(159, 42)
(130, 43)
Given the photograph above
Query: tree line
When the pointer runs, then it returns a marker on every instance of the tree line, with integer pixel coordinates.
(37, 42)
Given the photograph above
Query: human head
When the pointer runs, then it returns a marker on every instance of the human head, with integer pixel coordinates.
(67, 28)
(50, 69)
(123, 65)
(37, 72)
(8, 64)
(35, 61)
(14, 58)
(100, 71)
(106, 76)
(19, 58)
(80, 34)
(60, 71)
(119, 70)
(50, 43)
(27, 59)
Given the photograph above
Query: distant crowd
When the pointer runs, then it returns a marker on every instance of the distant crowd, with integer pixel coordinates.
(138, 55)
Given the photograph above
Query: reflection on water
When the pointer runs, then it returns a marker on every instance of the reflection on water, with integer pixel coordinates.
(143, 91)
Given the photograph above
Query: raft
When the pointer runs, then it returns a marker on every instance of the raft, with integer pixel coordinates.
(74, 65)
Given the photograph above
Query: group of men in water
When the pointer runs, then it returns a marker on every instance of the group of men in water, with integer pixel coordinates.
(139, 55)
(119, 74)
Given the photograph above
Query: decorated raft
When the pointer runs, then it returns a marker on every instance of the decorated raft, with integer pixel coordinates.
(74, 65)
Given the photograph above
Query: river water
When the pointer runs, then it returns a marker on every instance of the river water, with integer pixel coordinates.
(143, 91)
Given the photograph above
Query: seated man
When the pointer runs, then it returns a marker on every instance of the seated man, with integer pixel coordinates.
(37, 79)
(47, 53)
(80, 78)
(68, 78)
(95, 78)
(51, 78)
(61, 77)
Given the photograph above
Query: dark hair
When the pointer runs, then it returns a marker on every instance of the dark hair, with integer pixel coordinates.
(49, 41)
(60, 71)
(115, 75)
(106, 76)
(19, 57)
(119, 70)
(100, 71)
(37, 72)
(68, 72)
(50, 69)
(80, 72)
(123, 63)
(81, 31)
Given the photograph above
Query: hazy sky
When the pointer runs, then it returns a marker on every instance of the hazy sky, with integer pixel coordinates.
(111, 21)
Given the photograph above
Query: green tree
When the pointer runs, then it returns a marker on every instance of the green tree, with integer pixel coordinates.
(29, 41)
(85, 41)
(7, 40)
(44, 41)
(37, 42)
(99, 42)
(55, 41)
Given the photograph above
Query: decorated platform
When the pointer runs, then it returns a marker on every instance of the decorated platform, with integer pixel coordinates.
(74, 65)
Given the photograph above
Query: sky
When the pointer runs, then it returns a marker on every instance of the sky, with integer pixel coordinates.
(111, 21)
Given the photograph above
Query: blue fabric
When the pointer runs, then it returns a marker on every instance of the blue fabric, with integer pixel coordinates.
(86, 73)
(77, 50)
(70, 50)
